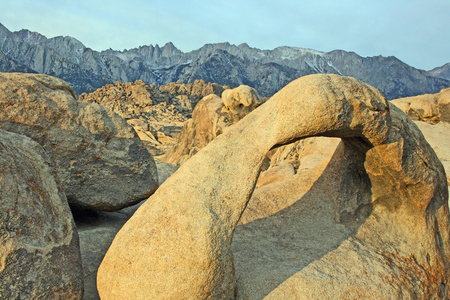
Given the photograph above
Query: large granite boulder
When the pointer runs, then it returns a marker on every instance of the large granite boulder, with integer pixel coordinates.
(393, 218)
(100, 160)
(39, 247)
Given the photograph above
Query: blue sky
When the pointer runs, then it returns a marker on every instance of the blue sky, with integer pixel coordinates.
(415, 31)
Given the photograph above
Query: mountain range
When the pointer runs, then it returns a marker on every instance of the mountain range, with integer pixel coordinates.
(266, 70)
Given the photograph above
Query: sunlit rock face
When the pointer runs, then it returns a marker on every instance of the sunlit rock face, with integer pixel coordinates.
(381, 210)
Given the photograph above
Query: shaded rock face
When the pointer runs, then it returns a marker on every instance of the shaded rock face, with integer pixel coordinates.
(392, 219)
(39, 248)
(211, 116)
(97, 230)
(100, 161)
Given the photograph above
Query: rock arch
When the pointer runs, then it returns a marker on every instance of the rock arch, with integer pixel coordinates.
(178, 244)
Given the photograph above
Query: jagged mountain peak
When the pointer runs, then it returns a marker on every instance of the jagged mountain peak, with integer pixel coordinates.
(170, 45)
(224, 63)
(170, 49)
(441, 72)
(68, 47)
(297, 50)
(66, 40)
(30, 36)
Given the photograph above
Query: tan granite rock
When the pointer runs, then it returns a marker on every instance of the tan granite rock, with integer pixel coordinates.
(394, 221)
(431, 108)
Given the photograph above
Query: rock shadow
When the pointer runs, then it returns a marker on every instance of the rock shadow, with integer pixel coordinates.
(268, 251)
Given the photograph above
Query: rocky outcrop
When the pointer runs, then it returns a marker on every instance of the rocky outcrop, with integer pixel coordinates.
(39, 247)
(431, 108)
(240, 101)
(194, 91)
(393, 228)
(157, 114)
(100, 161)
(211, 116)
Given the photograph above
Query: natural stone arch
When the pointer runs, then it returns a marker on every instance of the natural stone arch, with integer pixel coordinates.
(178, 244)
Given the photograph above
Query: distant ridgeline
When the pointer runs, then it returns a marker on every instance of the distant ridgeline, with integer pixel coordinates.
(265, 70)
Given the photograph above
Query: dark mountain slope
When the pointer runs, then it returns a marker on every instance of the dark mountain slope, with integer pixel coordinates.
(223, 63)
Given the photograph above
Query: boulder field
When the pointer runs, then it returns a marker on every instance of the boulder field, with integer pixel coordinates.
(382, 197)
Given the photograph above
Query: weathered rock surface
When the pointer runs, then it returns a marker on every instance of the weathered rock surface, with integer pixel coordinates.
(437, 137)
(211, 116)
(431, 108)
(275, 174)
(392, 234)
(240, 101)
(39, 247)
(431, 113)
(100, 161)
(157, 114)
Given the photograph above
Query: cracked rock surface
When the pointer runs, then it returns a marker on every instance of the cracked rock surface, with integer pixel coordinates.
(39, 247)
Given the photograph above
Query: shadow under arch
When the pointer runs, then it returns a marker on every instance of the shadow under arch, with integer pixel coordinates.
(269, 250)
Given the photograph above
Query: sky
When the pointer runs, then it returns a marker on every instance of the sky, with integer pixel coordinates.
(415, 31)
